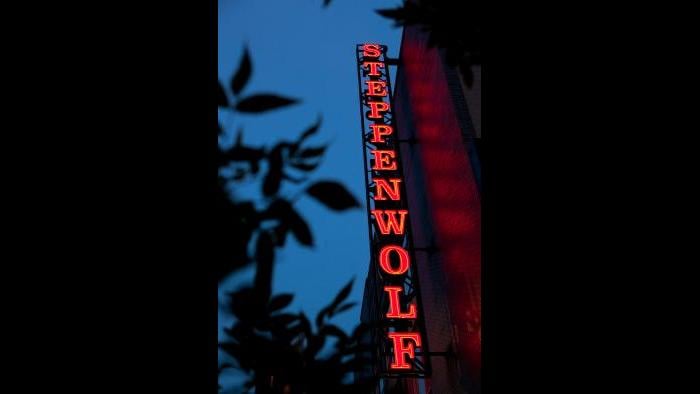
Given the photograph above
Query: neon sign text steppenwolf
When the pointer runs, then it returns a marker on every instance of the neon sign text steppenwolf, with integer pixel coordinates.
(401, 344)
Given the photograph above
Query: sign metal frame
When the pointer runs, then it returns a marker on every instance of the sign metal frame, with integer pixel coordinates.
(420, 365)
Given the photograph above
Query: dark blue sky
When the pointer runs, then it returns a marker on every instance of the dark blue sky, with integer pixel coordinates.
(300, 49)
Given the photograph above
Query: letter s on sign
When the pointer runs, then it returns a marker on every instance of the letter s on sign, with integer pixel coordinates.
(371, 50)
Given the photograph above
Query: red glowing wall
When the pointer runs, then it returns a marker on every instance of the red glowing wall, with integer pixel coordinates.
(441, 183)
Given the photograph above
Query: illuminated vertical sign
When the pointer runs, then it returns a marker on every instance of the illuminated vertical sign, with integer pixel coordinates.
(400, 339)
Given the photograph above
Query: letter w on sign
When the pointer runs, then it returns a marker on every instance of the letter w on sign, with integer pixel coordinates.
(391, 224)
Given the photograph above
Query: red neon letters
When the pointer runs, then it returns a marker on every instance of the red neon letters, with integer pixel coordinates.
(401, 348)
(371, 50)
(378, 130)
(382, 160)
(373, 68)
(376, 88)
(385, 262)
(383, 186)
(375, 107)
(392, 224)
(389, 215)
(395, 308)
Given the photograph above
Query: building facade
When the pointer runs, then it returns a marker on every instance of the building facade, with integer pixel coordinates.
(438, 124)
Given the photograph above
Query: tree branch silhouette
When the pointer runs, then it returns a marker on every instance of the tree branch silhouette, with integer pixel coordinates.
(280, 351)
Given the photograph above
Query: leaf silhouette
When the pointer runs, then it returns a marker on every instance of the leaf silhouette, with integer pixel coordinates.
(280, 301)
(315, 343)
(263, 102)
(280, 233)
(300, 229)
(242, 153)
(333, 195)
(409, 13)
(360, 330)
(344, 307)
(283, 211)
(342, 295)
(242, 303)
(292, 179)
(335, 331)
(392, 13)
(221, 99)
(304, 324)
(311, 130)
(232, 349)
(312, 152)
(283, 320)
(239, 137)
(321, 315)
(241, 77)
(304, 166)
(265, 256)
(273, 179)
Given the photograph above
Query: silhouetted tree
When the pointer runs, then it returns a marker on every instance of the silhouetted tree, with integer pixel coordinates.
(452, 25)
(281, 352)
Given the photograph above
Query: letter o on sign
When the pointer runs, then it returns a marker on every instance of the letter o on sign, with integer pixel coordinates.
(385, 262)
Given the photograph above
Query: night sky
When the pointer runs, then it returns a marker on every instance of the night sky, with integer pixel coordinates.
(300, 49)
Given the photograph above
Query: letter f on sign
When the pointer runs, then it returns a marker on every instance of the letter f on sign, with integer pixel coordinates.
(401, 348)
